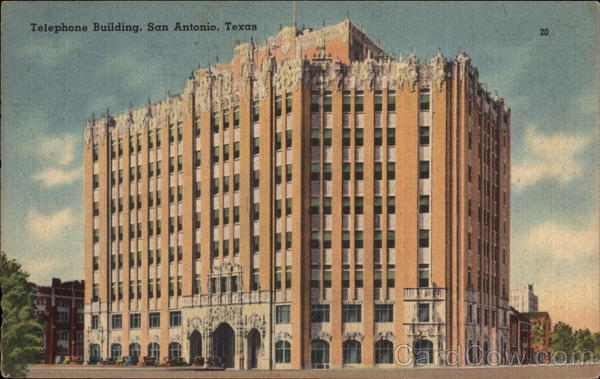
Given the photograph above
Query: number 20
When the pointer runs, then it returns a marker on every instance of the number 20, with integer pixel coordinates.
(544, 32)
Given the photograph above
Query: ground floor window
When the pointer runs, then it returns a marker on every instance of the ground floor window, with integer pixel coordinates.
(319, 354)
(352, 351)
(115, 351)
(384, 351)
(174, 350)
(423, 352)
(134, 350)
(95, 351)
(283, 352)
(154, 350)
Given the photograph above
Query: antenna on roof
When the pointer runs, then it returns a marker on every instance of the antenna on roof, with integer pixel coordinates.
(347, 15)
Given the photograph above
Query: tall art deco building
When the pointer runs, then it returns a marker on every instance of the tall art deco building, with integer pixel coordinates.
(314, 203)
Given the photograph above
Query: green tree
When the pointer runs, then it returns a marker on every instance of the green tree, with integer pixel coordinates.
(563, 340)
(538, 333)
(584, 344)
(596, 338)
(21, 344)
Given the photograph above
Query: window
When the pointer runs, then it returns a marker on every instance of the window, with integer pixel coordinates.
(236, 150)
(216, 121)
(358, 239)
(278, 141)
(327, 135)
(391, 278)
(391, 170)
(391, 101)
(358, 171)
(315, 171)
(174, 319)
(358, 204)
(423, 312)
(378, 102)
(282, 314)
(255, 111)
(288, 139)
(359, 136)
(255, 244)
(319, 313)
(115, 351)
(154, 320)
(314, 104)
(314, 279)
(384, 312)
(352, 351)
(346, 136)
(288, 172)
(423, 275)
(378, 171)
(135, 321)
(215, 155)
(288, 103)
(423, 169)
(327, 102)
(319, 354)
(225, 153)
(424, 101)
(391, 205)
(346, 279)
(327, 205)
(283, 352)
(315, 137)
(424, 204)
(359, 101)
(134, 350)
(378, 136)
(351, 313)
(384, 351)
(358, 279)
(225, 120)
(424, 135)
(95, 321)
(256, 178)
(346, 205)
(236, 117)
(256, 145)
(117, 321)
(255, 283)
(377, 279)
(423, 237)
(346, 102)
(345, 239)
(327, 279)
(174, 350)
(154, 350)
(391, 137)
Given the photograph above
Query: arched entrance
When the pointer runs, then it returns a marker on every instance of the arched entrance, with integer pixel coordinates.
(253, 348)
(224, 344)
(195, 345)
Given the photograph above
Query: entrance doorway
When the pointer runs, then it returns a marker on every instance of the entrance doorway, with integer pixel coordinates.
(195, 345)
(224, 343)
(253, 348)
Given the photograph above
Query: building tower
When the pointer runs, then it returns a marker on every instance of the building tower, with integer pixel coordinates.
(312, 203)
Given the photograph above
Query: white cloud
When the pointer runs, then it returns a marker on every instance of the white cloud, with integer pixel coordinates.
(563, 241)
(58, 149)
(549, 157)
(49, 227)
(50, 51)
(53, 176)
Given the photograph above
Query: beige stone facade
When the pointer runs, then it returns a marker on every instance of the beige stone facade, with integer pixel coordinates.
(314, 202)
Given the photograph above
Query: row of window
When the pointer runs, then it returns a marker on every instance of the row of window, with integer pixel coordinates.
(319, 240)
(358, 278)
(327, 102)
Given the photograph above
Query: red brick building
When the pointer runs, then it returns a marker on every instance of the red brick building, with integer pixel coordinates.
(520, 338)
(543, 319)
(60, 308)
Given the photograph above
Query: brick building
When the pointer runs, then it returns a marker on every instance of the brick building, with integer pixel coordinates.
(545, 322)
(60, 308)
(520, 338)
(312, 203)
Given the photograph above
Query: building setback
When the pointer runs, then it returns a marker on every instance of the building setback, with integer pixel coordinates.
(314, 202)
(60, 309)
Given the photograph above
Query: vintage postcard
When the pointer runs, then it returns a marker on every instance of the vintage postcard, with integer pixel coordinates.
(300, 189)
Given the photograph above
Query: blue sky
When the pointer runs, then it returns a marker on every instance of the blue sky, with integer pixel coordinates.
(51, 83)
